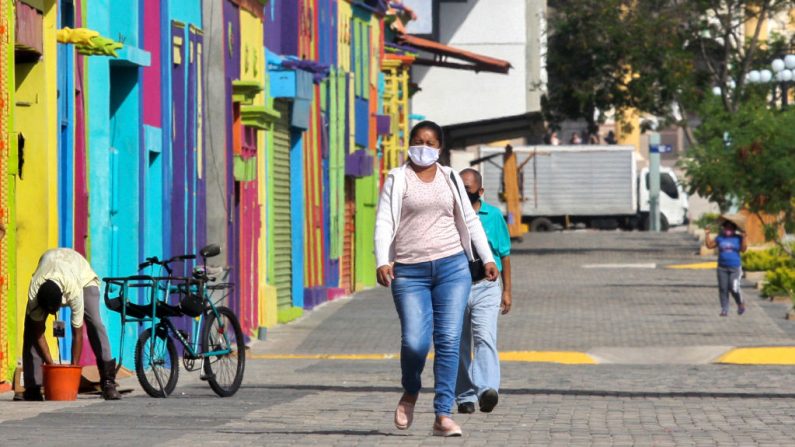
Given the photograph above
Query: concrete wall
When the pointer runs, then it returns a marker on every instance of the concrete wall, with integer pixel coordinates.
(215, 126)
(504, 29)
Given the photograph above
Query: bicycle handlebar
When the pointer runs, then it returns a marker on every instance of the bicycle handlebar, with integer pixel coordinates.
(165, 263)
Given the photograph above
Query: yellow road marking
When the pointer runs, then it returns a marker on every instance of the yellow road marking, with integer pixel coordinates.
(324, 356)
(784, 355)
(564, 357)
(694, 266)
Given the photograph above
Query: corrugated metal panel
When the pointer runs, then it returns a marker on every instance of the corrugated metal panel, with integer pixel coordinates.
(347, 281)
(565, 181)
(282, 237)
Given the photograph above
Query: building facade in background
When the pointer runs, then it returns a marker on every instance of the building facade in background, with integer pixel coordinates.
(136, 128)
(476, 104)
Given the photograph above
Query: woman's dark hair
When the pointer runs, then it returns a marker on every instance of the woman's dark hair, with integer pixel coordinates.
(437, 129)
(49, 296)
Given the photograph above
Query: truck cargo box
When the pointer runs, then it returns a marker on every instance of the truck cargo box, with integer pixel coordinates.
(568, 180)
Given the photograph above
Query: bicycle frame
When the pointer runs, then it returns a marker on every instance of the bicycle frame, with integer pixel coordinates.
(192, 347)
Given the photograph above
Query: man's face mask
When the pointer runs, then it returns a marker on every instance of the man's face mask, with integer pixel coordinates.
(473, 196)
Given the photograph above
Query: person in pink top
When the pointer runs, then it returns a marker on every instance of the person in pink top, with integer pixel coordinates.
(426, 234)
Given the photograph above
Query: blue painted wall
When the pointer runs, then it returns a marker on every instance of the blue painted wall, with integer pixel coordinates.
(114, 152)
(187, 11)
(65, 151)
(297, 205)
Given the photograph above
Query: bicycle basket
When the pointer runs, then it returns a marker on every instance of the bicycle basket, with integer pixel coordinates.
(191, 304)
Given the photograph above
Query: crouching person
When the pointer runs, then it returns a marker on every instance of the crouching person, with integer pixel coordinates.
(64, 278)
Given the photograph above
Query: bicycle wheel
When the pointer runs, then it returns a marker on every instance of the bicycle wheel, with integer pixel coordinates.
(223, 372)
(156, 364)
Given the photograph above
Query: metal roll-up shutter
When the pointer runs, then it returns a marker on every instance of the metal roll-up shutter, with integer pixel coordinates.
(347, 278)
(282, 237)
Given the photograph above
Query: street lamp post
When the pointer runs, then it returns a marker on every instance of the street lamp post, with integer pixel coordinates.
(781, 73)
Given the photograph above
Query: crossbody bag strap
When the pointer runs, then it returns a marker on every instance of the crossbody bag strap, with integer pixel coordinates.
(475, 254)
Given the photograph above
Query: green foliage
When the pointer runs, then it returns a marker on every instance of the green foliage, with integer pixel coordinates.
(608, 55)
(745, 156)
(660, 57)
(708, 221)
(766, 260)
(780, 281)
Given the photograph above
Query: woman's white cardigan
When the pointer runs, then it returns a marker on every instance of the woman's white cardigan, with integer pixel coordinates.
(388, 217)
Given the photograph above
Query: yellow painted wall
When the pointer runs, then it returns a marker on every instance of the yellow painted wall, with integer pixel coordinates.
(750, 28)
(252, 67)
(631, 137)
(36, 189)
(375, 49)
(345, 35)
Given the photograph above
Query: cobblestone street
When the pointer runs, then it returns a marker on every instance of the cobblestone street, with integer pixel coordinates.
(332, 377)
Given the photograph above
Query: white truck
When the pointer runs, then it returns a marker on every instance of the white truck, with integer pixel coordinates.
(583, 186)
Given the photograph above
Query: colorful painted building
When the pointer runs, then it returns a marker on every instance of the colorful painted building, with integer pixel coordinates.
(136, 128)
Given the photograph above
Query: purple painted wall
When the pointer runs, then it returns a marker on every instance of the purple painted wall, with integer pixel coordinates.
(201, 187)
(273, 26)
(232, 72)
(281, 27)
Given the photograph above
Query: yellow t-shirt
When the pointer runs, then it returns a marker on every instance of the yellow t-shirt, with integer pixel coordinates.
(71, 272)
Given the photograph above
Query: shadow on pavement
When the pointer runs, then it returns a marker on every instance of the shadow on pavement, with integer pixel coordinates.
(311, 432)
(671, 287)
(564, 251)
(545, 391)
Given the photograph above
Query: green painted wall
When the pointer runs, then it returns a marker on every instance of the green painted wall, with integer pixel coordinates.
(366, 202)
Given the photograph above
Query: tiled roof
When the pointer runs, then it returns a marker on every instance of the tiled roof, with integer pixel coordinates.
(476, 61)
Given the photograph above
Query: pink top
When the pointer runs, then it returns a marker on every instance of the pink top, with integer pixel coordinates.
(427, 228)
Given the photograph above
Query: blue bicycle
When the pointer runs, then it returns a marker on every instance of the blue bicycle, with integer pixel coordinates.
(216, 346)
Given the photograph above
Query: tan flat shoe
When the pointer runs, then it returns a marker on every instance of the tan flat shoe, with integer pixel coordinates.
(404, 415)
(447, 428)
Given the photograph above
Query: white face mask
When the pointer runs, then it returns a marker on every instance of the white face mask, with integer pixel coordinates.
(423, 156)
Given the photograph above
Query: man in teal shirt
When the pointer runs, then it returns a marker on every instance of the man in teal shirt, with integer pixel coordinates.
(479, 375)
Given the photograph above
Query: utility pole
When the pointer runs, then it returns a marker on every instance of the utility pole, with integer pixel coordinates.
(654, 182)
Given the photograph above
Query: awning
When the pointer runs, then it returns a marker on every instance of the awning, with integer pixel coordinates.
(441, 52)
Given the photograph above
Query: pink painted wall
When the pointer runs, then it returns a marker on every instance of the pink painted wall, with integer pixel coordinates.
(152, 79)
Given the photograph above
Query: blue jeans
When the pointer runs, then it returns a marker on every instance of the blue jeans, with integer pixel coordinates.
(480, 325)
(430, 298)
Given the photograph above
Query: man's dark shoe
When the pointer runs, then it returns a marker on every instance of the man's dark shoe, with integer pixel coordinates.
(107, 381)
(488, 400)
(32, 394)
(466, 408)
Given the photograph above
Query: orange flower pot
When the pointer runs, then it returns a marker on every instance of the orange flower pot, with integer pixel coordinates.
(61, 382)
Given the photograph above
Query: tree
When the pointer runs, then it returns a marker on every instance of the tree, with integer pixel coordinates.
(660, 57)
(746, 156)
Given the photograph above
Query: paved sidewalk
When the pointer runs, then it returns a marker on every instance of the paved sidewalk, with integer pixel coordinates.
(559, 305)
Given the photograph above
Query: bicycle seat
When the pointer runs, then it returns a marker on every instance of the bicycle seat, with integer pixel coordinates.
(210, 250)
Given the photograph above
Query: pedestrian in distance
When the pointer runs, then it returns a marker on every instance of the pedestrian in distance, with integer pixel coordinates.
(610, 138)
(425, 232)
(730, 243)
(553, 139)
(575, 138)
(65, 278)
(479, 364)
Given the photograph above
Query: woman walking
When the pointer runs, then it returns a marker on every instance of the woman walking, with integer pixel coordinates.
(730, 243)
(424, 238)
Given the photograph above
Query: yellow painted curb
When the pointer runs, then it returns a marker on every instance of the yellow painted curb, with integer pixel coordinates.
(564, 357)
(784, 355)
(694, 266)
(324, 356)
